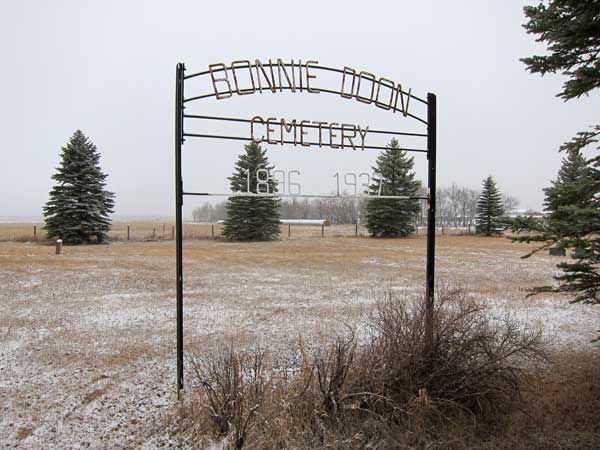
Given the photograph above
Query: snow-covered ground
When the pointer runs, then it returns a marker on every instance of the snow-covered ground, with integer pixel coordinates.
(87, 339)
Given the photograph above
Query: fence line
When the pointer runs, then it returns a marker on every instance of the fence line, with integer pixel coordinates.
(166, 231)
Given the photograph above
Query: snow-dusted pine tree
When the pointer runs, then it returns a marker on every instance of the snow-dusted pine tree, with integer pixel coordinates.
(79, 206)
(489, 208)
(565, 192)
(393, 217)
(252, 218)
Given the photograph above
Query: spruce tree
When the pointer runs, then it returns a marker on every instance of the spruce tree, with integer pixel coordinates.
(574, 221)
(394, 174)
(489, 208)
(79, 206)
(252, 218)
(564, 191)
(570, 30)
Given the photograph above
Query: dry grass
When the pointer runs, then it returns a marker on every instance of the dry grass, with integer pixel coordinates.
(101, 317)
(386, 393)
(556, 410)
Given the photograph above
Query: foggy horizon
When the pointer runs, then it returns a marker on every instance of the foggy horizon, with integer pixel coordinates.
(109, 69)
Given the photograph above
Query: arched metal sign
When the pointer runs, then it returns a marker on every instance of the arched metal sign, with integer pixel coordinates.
(246, 77)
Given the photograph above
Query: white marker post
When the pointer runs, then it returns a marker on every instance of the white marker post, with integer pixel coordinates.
(59, 246)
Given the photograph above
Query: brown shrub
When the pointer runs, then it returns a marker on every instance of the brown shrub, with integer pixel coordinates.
(386, 393)
(233, 385)
(476, 364)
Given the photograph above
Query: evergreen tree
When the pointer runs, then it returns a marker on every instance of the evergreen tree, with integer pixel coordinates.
(79, 206)
(394, 174)
(570, 30)
(489, 208)
(564, 191)
(252, 218)
(574, 221)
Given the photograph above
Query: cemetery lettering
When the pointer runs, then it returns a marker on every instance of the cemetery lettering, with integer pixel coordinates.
(244, 77)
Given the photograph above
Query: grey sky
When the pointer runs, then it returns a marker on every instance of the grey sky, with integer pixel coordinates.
(107, 67)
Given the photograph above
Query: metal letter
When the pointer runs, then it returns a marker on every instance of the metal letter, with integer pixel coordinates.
(281, 68)
(256, 119)
(385, 106)
(309, 76)
(320, 131)
(346, 127)
(270, 121)
(332, 135)
(302, 133)
(290, 184)
(280, 182)
(271, 83)
(215, 80)
(400, 94)
(247, 65)
(366, 76)
(272, 75)
(288, 129)
(363, 135)
(353, 72)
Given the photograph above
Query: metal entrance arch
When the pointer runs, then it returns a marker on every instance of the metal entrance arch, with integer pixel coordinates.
(301, 77)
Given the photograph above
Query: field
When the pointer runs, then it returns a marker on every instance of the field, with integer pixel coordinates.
(87, 338)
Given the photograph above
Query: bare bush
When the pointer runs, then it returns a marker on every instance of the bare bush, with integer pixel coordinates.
(234, 386)
(386, 393)
(332, 366)
(476, 363)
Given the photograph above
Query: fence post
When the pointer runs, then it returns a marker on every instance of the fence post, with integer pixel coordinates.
(154, 233)
(289, 229)
(356, 229)
(212, 230)
(127, 232)
(323, 230)
(163, 235)
(35, 232)
(172, 232)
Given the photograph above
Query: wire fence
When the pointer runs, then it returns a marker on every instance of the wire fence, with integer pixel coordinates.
(155, 231)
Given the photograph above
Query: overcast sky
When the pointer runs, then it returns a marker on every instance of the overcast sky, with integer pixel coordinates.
(107, 68)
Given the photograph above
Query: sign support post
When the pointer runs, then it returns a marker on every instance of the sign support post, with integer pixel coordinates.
(179, 220)
(430, 271)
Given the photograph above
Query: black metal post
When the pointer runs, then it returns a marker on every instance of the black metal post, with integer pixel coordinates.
(179, 220)
(430, 283)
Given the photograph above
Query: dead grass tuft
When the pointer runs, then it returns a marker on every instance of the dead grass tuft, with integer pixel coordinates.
(383, 394)
(476, 365)
(24, 433)
(95, 394)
